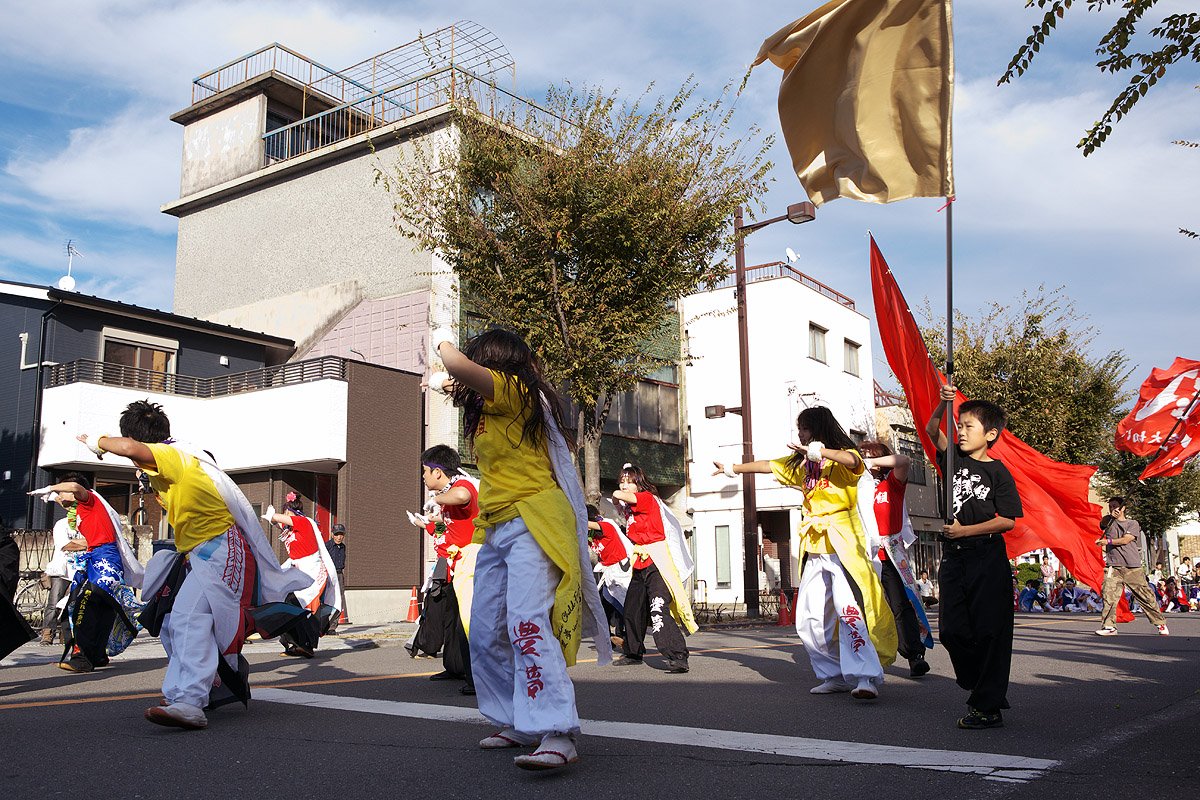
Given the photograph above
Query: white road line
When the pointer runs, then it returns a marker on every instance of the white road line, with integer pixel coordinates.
(994, 766)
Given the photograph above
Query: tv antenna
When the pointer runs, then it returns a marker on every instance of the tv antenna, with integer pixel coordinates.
(66, 282)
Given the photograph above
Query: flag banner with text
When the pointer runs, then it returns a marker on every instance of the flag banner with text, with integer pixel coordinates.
(1166, 420)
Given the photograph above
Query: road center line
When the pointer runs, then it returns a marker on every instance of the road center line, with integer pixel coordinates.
(995, 766)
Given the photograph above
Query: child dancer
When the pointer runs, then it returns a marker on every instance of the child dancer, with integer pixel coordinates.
(532, 575)
(661, 563)
(848, 642)
(306, 551)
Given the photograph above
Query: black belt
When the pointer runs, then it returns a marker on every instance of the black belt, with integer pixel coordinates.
(969, 542)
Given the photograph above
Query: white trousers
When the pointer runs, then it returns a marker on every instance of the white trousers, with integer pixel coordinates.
(830, 623)
(518, 666)
(190, 640)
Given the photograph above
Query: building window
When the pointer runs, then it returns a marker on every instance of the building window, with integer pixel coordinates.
(910, 445)
(722, 542)
(851, 357)
(816, 342)
(139, 360)
(648, 411)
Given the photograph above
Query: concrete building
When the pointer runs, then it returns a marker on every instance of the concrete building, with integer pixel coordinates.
(275, 426)
(808, 346)
(283, 228)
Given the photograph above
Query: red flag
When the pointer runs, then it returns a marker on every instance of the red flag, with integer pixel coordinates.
(1054, 496)
(1166, 420)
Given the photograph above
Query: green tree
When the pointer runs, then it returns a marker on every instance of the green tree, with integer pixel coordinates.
(1159, 504)
(1032, 359)
(1179, 34)
(580, 228)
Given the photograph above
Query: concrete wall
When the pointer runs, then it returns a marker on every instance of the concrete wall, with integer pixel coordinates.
(304, 316)
(223, 145)
(784, 380)
(297, 424)
(322, 223)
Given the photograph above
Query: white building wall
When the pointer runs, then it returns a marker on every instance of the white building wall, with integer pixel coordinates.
(784, 380)
(290, 425)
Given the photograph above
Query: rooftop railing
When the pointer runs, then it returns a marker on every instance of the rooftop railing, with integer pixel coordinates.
(448, 87)
(778, 269)
(109, 374)
(275, 58)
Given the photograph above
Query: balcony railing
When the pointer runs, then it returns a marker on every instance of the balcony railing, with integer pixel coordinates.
(275, 58)
(778, 269)
(444, 88)
(108, 374)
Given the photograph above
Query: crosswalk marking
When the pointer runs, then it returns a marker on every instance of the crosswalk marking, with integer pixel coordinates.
(993, 766)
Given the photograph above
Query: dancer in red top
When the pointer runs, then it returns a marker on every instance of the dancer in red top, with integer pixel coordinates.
(306, 550)
(448, 600)
(613, 569)
(660, 565)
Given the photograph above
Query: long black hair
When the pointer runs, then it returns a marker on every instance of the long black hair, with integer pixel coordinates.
(825, 429)
(506, 352)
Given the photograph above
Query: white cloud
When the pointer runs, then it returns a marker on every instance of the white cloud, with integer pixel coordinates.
(121, 170)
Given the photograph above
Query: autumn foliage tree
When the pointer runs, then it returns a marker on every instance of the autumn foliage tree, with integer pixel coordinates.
(580, 227)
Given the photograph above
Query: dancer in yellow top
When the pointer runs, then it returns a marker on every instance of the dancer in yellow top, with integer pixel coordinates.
(534, 593)
(849, 642)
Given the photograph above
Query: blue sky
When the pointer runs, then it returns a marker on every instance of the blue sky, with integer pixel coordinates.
(87, 150)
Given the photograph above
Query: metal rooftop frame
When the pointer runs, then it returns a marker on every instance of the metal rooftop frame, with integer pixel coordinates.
(463, 64)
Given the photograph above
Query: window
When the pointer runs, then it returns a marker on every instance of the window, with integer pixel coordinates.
(851, 357)
(722, 542)
(648, 411)
(908, 444)
(139, 360)
(816, 342)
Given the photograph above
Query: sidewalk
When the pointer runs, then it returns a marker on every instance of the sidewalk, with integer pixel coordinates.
(145, 647)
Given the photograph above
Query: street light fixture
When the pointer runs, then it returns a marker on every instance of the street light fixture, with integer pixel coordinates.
(797, 213)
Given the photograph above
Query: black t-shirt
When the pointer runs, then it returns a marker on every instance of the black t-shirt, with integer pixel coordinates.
(983, 490)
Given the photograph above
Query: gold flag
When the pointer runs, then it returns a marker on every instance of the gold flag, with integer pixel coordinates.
(866, 97)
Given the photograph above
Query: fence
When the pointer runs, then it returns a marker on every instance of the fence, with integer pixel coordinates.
(778, 269)
(85, 371)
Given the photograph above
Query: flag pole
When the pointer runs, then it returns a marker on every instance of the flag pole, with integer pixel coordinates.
(951, 428)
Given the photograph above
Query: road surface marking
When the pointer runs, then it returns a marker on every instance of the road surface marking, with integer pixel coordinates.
(993, 766)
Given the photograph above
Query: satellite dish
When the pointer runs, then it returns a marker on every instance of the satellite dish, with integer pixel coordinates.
(791, 256)
(66, 283)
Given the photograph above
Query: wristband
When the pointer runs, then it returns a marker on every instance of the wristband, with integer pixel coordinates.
(728, 470)
(814, 451)
(93, 444)
(440, 337)
(437, 381)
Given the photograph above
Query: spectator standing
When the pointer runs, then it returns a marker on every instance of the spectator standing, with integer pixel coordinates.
(60, 570)
(1185, 574)
(337, 553)
(925, 589)
(1047, 573)
(1123, 554)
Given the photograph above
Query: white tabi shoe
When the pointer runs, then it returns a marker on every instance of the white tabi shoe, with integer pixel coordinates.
(865, 691)
(505, 738)
(832, 686)
(556, 750)
(177, 715)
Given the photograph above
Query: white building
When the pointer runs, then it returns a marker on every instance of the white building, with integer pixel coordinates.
(808, 346)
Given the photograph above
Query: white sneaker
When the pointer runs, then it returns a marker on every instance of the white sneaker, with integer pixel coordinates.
(1162, 631)
(831, 686)
(1107, 632)
(177, 715)
(865, 690)
(556, 750)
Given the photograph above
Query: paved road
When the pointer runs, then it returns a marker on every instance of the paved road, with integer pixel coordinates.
(1091, 715)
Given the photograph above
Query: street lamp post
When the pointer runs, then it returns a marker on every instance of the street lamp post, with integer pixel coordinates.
(797, 213)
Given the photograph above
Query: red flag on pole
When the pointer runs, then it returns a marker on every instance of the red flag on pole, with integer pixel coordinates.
(1054, 496)
(1165, 423)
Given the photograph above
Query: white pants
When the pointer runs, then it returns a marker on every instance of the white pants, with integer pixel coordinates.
(190, 640)
(830, 623)
(518, 666)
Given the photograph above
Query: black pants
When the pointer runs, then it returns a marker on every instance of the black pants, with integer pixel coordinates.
(976, 619)
(93, 614)
(456, 652)
(306, 632)
(907, 628)
(648, 603)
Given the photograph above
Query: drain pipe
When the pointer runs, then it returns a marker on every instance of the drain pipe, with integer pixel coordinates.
(37, 414)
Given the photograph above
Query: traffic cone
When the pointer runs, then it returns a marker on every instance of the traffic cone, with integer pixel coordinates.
(787, 605)
(413, 611)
